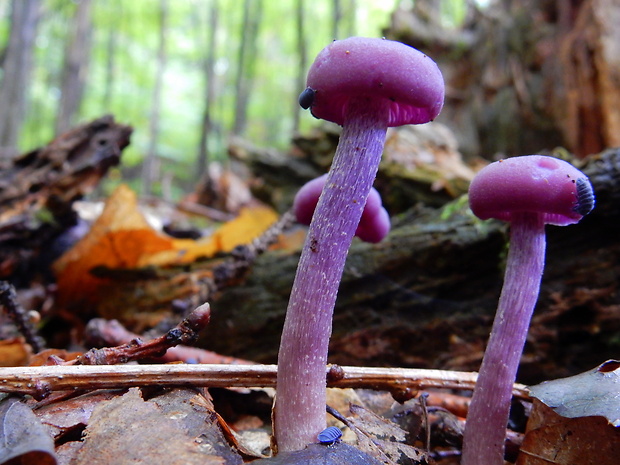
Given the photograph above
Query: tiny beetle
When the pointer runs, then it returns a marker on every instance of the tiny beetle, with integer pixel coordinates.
(585, 197)
(306, 98)
(330, 436)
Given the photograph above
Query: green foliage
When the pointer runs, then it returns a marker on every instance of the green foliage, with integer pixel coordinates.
(121, 73)
(453, 12)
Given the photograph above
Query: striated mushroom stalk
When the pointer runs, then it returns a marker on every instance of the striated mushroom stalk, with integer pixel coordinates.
(300, 393)
(365, 85)
(529, 192)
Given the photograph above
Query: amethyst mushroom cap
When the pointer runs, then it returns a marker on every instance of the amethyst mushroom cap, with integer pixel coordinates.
(366, 85)
(535, 183)
(375, 221)
(529, 192)
(407, 80)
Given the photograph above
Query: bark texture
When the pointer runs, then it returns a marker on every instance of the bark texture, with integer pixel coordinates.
(37, 191)
(523, 75)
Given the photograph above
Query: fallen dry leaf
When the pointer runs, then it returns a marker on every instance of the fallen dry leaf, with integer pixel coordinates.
(70, 416)
(121, 238)
(251, 223)
(592, 393)
(195, 414)
(130, 430)
(382, 438)
(575, 420)
(553, 439)
(23, 439)
(14, 352)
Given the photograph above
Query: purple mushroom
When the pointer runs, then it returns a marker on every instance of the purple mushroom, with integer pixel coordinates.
(366, 85)
(529, 192)
(375, 221)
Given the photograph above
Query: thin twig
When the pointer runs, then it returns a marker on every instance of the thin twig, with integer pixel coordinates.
(42, 380)
(8, 299)
(261, 243)
(184, 333)
(422, 401)
(110, 333)
(243, 256)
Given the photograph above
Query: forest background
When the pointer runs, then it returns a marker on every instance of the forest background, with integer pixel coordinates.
(186, 74)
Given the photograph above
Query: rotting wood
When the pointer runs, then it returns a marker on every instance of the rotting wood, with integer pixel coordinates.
(522, 76)
(37, 191)
(426, 296)
(421, 164)
(67, 168)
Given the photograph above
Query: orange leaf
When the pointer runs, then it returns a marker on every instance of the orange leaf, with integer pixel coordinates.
(251, 223)
(14, 352)
(119, 238)
(122, 238)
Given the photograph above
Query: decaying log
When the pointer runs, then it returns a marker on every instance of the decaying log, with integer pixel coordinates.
(391, 295)
(38, 188)
(421, 164)
(522, 76)
(425, 297)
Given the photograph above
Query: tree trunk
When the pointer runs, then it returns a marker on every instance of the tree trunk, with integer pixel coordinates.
(302, 50)
(246, 62)
(206, 130)
(589, 70)
(75, 66)
(110, 62)
(150, 172)
(336, 19)
(16, 72)
(352, 23)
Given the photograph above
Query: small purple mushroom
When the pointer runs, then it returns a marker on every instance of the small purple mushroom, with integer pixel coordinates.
(374, 224)
(529, 192)
(366, 85)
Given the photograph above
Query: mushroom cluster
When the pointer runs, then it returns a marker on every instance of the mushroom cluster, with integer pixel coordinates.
(365, 85)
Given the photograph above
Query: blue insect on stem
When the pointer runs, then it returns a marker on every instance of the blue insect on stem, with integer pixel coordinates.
(585, 197)
(330, 436)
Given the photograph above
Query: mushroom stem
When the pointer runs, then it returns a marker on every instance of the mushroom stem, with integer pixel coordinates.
(485, 429)
(301, 383)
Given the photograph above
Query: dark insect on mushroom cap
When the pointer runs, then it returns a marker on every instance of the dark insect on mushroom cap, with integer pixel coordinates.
(585, 197)
(330, 435)
(306, 98)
